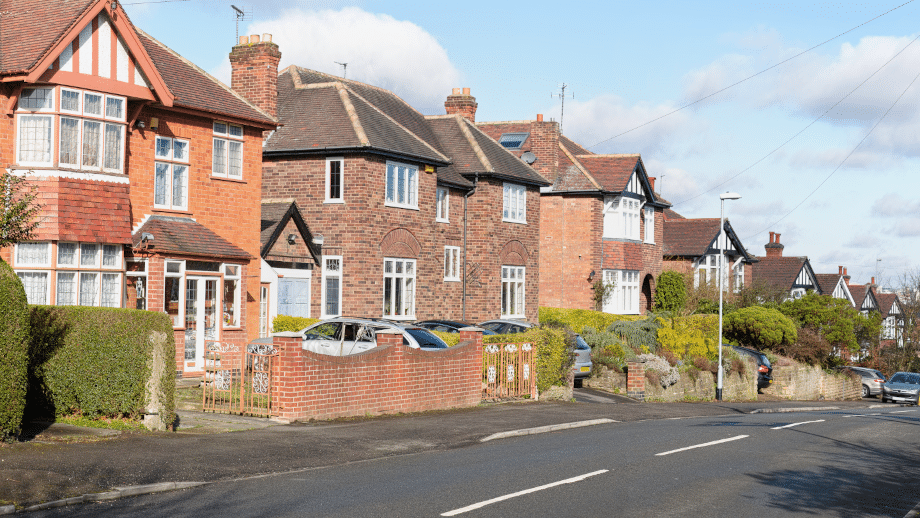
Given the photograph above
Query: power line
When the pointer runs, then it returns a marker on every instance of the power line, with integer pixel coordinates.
(803, 129)
(746, 78)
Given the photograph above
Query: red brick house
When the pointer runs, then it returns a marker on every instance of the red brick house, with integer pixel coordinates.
(692, 246)
(143, 164)
(418, 217)
(793, 274)
(601, 219)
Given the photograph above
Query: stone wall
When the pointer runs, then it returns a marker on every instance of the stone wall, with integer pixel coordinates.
(793, 380)
(702, 387)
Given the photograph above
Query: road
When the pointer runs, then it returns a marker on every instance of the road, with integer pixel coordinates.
(831, 463)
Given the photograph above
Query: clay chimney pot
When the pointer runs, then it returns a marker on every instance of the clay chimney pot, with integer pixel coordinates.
(244, 40)
(267, 37)
(539, 117)
(466, 91)
(455, 91)
(254, 38)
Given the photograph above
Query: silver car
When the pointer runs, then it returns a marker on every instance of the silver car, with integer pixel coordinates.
(903, 387)
(583, 363)
(872, 380)
(342, 336)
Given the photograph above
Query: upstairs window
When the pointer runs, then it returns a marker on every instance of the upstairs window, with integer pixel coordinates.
(334, 180)
(171, 173)
(443, 205)
(228, 151)
(649, 224)
(402, 186)
(514, 203)
(621, 217)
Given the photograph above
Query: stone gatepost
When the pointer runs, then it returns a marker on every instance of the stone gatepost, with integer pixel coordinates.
(635, 380)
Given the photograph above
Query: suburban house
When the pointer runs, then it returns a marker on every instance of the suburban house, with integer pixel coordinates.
(892, 319)
(692, 245)
(836, 285)
(865, 297)
(411, 217)
(143, 164)
(792, 274)
(601, 219)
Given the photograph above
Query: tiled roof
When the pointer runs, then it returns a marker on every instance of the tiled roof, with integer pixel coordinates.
(778, 271)
(196, 89)
(572, 146)
(827, 282)
(272, 214)
(611, 171)
(29, 28)
(185, 236)
(689, 237)
(87, 211)
(670, 214)
(885, 301)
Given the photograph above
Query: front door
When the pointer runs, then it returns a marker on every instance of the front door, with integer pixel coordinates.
(201, 319)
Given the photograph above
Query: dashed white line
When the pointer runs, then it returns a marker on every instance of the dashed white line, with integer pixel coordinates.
(473, 507)
(796, 424)
(901, 411)
(702, 445)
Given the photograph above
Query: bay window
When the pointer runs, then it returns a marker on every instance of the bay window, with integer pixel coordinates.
(402, 186)
(625, 297)
(621, 217)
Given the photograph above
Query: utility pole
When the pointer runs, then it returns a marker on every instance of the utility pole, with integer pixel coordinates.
(561, 96)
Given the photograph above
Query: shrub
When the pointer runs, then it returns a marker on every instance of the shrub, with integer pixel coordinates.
(759, 327)
(641, 335)
(14, 343)
(578, 319)
(283, 323)
(704, 364)
(554, 350)
(670, 293)
(690, 337)
(667, 374)
(97, 361)
(451, 339)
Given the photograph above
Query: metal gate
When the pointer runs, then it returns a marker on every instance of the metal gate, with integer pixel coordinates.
(508, 371)
(239, 382)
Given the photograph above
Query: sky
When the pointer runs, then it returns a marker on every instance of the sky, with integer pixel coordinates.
(808, 110)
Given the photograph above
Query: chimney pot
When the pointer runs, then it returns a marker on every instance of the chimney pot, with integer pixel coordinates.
(244, 40)
(466, 91)
(651, 180)
(254, 38)
(772, 234)
(777, 238)
(845, 271)
(539, 117)
(873, 280)
(267, 37)
(840, 270)
(456, 91)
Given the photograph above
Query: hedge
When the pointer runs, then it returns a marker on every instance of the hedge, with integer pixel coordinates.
(578, 319)
(692, 336)
(283, 323)
(759, 327)
(14, 343)
(98, 361)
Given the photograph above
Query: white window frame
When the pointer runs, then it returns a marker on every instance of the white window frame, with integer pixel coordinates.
(175, 275)
(172, 164)
(621, 217)
(514, 203)
(227, 270)
(738, 275)
(341, 197)
(22, 96)
(79, 110)
(50, 140)
(47, 294)
(626, 293)
(409, 189)
(327, 273)
(442, 207)
(405, 283)
(18, 263)
(649, 213)
(452, 272)
(263, 311)
(708, 266)
(514, 286)
(225, 133)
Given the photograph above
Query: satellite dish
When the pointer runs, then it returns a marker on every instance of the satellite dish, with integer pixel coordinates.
(529, 157)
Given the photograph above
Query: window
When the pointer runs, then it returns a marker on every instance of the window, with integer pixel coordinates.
(512, 291)
(228, 151)
(514, 203)
(36, 286)
(451, 263)
(402, 186)
(332, 286)
(37, 99)
(443, 205)
(513, 140)
(649, 225)
(707, 270)
(625, 297)
(621, 217)
(33, 254)
(79, 279)
(334, 177)
(738, 276)
(136, 284)
(34, 137)
(171, 173)
(263, 311)
(173, 288)
(231, 295)
(399, 288)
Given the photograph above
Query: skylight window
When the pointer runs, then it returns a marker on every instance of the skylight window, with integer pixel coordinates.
(513, 140)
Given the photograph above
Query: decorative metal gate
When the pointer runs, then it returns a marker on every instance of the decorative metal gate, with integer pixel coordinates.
(508, 371)
(239, 382)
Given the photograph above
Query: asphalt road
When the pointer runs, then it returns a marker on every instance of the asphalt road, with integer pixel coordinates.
(864, 462)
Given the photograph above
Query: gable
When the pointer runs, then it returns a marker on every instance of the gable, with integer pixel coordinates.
(841, 291)
(806, 277)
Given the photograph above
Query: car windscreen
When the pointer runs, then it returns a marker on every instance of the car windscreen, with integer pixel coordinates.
(427, 339)
(580, 343)
(766, 361)
(906, 377)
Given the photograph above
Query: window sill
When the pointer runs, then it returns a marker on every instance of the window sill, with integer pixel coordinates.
(393, 205)
(438, 220)
(334, 202)
(172, 211)
(225, 179)
(519, 222)
(451, 280)
(407, 318)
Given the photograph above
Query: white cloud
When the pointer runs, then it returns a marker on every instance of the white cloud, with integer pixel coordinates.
(380, 50)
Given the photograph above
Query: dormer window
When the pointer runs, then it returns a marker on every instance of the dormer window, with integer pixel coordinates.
(513, 141)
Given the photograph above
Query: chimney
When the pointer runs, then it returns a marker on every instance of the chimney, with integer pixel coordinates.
(873, 282)
(846, 276)
(773, 248)
(539, 117)
(840, 270)
(255, 71)
(544, 143)
(462, 103)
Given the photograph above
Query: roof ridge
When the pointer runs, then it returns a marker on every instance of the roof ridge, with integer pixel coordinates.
(508, 122)
(352, 81)
(503, 148)
(352, 115)
(612, 155)
(480, 154)
(580, 166)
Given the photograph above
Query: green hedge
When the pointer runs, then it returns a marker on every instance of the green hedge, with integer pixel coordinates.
(14, 343)
(691, 337)
(578, 319)
(97, 361)
(283, 323)
(759, 327)
(555, 354)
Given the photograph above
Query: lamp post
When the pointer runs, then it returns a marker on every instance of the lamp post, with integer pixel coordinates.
(722, 198)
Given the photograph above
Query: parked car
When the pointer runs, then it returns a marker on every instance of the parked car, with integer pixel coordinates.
(583, 364)
(342, 336)
(764, 369)
(902, 386)
(872, 380)
(449, 326)
(506, 326)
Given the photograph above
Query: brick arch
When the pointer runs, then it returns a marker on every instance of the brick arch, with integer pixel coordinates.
(400, 242)
(514, 254)
(648, 293)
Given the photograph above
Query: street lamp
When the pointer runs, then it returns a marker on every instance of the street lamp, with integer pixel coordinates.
(722, 198)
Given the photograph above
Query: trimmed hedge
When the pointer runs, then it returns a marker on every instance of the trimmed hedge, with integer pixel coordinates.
(578, 319)
(670, 292)
(97, 361)
(691, 337)
(283, 323)
(14, 345)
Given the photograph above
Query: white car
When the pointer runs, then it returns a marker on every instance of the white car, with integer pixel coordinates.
(342, 336)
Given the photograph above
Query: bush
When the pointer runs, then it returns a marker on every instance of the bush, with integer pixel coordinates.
(578, 319)
(640, 335)
(14, 343)
(451, 339)
(670, 293)
(555, 353)
(691, 337)
(759, 327)
(661, 369)
(97, 361)
(284, 323)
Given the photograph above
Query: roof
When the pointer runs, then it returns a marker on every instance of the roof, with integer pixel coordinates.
(885, 302)
(86, 211)
(275, 216)
(695, 237)
(828, 282)
(186, 236)
(23, 41)
(778, 271)
(670, 214)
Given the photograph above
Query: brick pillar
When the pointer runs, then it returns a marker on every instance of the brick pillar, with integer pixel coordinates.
(255, 71)
(473, 368)
(461, 103)
(289, 380)
(635, 380)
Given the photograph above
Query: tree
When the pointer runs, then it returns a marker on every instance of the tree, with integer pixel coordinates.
(904, 354)
(759, 327)
(18, 209)
(671, 293)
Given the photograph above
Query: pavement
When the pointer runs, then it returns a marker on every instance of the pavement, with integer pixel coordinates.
(65, 465)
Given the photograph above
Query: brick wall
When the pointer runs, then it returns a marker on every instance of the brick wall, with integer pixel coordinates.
(390, 378)
(570, 230)
(254, 64)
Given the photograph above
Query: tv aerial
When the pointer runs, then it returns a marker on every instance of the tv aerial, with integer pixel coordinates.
(241, 15)
(344, 69)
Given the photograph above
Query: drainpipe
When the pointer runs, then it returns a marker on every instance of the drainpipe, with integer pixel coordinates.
(465, 203)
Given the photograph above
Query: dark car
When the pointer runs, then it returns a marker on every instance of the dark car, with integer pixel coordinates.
(764, 369)
(506, 326)
(903, 387)
(449, 326)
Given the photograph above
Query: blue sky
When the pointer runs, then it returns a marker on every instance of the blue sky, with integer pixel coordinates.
(833, 193)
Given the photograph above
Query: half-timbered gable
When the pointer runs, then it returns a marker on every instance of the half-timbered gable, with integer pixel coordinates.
(694, 245)
(835, 285)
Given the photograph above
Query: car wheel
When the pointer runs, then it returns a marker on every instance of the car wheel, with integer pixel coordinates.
(865, 391)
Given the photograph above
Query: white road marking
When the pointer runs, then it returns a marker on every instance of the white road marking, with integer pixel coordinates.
(901, 411)
(796, 424)
(703, 445)
(473, 507)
